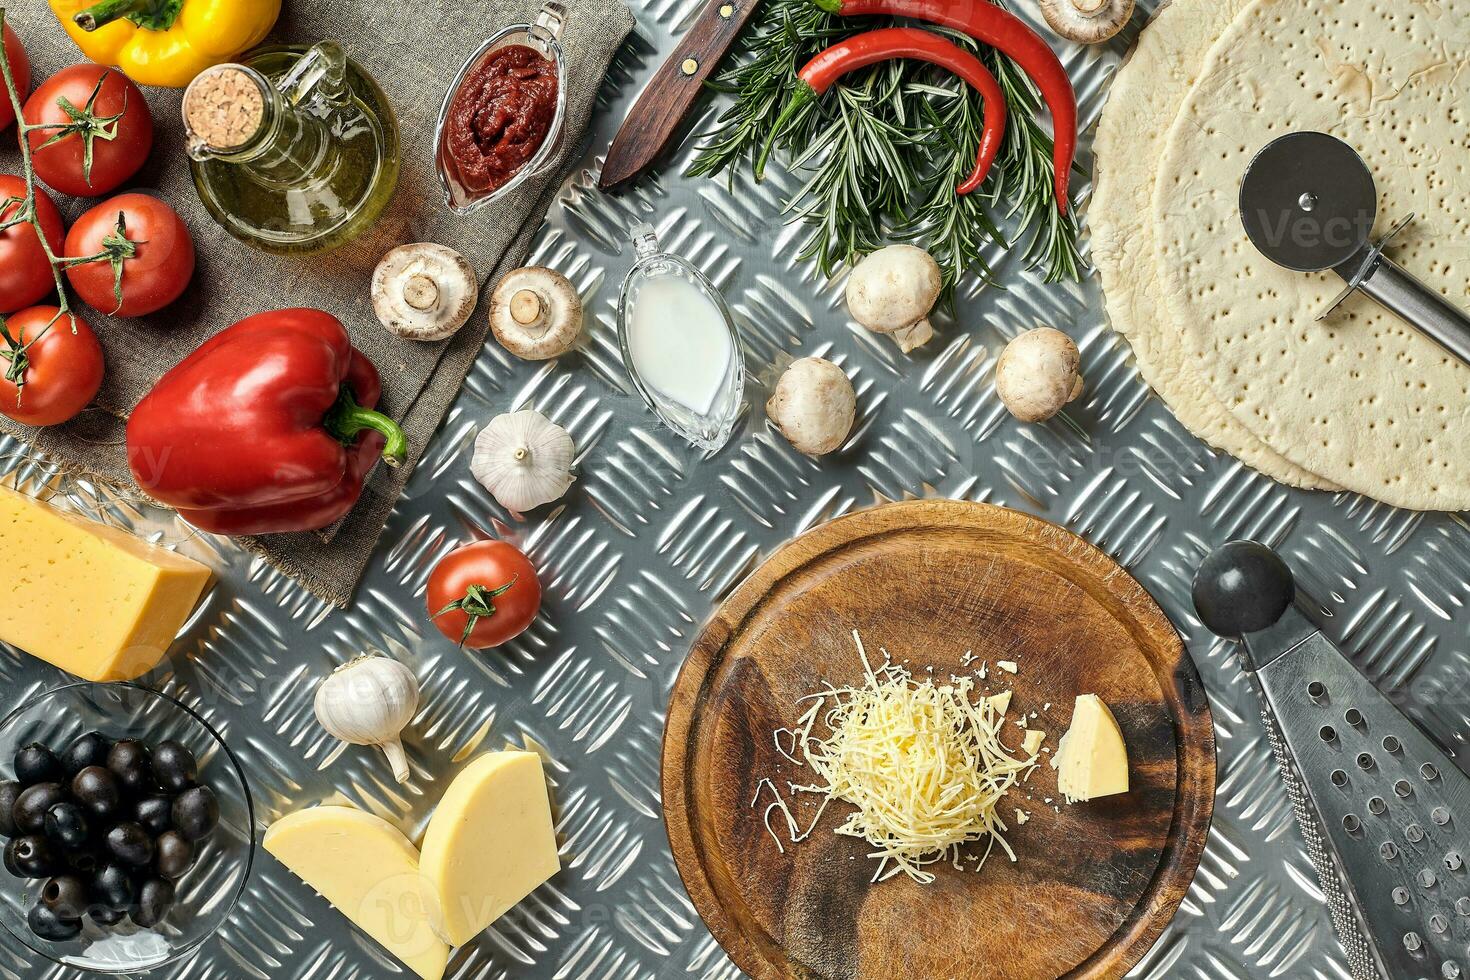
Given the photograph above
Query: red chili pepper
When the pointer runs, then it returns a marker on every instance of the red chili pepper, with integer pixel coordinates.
(268, 426)
(1007, 33)
(823, 71)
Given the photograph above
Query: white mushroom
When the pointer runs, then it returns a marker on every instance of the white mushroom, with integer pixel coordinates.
(1087, 21)
(524, 459)
(892, 291)
(1038, 374)
(536, 313)
(424, 291)
(813, 405)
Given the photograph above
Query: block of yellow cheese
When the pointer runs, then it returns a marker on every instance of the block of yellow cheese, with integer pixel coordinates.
(366, 868)
(490, 843)
(91, 599)
(1091, 759)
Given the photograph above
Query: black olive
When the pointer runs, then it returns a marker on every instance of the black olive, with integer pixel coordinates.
(84, 860)
(104, 916)
(155, 813)
(130, 844)
(112, 886)
(11, 867)
(67, 896)
(32, 857)
(35, 763)
(32, 804)
(174, 766)
(66, 825)
(175, 854)
(96, 789)
(155, 901)
(88, 750)
(129, 762)
(196, 812)
(52, 927)
(9, 792)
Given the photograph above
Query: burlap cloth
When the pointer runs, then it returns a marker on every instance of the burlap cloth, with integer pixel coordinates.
(413, 49)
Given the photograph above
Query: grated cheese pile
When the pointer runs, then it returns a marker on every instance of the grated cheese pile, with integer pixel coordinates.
(921, 762)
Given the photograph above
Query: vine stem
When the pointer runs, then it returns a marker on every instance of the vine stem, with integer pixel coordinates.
(27, 211)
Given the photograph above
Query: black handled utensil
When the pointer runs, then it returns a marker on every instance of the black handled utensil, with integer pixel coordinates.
(1382, 807)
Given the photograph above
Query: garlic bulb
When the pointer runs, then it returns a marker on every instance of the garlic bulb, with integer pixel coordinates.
(524, 459)
(368, 701)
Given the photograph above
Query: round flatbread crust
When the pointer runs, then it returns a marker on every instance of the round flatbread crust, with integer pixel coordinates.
(1362, 399)
(1143, 102)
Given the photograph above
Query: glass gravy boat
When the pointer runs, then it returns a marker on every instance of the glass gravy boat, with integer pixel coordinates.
(543, 37)
(680, 345)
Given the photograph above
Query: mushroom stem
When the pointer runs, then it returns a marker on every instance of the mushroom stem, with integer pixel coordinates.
(1090, 8)
(421, 292)
(525, 307)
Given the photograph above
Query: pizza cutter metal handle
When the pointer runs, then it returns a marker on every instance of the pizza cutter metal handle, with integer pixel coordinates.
(1308, 204)
(1395, 289)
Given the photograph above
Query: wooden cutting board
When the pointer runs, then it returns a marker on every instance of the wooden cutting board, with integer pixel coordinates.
(1095, 883)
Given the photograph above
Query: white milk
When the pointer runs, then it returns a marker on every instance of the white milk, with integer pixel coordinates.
(679, 343)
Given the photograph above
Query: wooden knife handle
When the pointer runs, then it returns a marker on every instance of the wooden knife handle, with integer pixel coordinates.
(672, 90)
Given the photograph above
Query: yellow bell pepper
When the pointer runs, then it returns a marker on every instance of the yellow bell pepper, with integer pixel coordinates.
(166, 42)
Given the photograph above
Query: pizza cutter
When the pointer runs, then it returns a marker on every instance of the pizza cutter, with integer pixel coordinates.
(1308, 204)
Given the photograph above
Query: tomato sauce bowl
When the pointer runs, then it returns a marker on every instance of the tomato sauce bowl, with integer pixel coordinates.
(503, 118)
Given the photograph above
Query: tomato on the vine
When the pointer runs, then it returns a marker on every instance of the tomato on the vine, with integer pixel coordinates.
(484, 594)
(20, 70)
(146, 255)
(25, 273)
(98, 134)
(50, 368)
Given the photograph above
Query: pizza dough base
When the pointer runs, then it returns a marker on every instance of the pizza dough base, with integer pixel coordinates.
(1143, 102)
(1362, 399)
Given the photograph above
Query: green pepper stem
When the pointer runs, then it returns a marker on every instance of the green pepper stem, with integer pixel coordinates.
(803, 94)
(347, 418)
(104, 12)
(831, 6)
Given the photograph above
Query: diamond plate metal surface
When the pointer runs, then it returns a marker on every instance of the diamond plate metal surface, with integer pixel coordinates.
(652, 535)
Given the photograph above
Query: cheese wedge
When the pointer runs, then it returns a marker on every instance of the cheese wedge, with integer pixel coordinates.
(1091, 760)
(490, 843)
(365, 867)
(91, 599)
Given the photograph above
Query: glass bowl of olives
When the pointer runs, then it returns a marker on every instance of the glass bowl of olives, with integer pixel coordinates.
(127, 825)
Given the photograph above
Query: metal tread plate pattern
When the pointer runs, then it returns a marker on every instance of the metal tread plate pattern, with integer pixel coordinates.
(652, 535)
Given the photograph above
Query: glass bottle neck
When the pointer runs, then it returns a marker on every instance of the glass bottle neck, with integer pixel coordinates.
(289, 144)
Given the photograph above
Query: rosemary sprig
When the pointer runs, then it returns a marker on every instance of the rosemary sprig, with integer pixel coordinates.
(879, 156)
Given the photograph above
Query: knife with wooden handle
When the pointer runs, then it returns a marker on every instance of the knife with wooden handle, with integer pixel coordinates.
(662, 105)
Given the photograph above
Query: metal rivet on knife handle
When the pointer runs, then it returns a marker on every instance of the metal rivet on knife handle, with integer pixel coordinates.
(689, 67)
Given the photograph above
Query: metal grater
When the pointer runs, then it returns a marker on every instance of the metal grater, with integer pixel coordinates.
(1383, 808)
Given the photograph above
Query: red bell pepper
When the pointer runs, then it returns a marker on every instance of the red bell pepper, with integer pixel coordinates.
(268, 426)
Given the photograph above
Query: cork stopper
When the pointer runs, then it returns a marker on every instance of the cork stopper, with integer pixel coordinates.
(224, 107)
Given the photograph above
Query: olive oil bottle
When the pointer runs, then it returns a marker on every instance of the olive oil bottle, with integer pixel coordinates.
(295, 150)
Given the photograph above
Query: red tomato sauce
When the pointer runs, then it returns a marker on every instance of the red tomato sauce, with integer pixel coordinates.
(500, 116)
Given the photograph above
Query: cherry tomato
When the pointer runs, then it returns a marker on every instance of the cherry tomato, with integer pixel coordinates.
(25, 275)
(156, 272)
(62, 370)
(484, 594)
(103, 102)
(20, 70)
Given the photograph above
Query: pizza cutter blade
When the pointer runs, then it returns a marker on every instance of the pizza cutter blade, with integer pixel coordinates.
(1308, 204)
